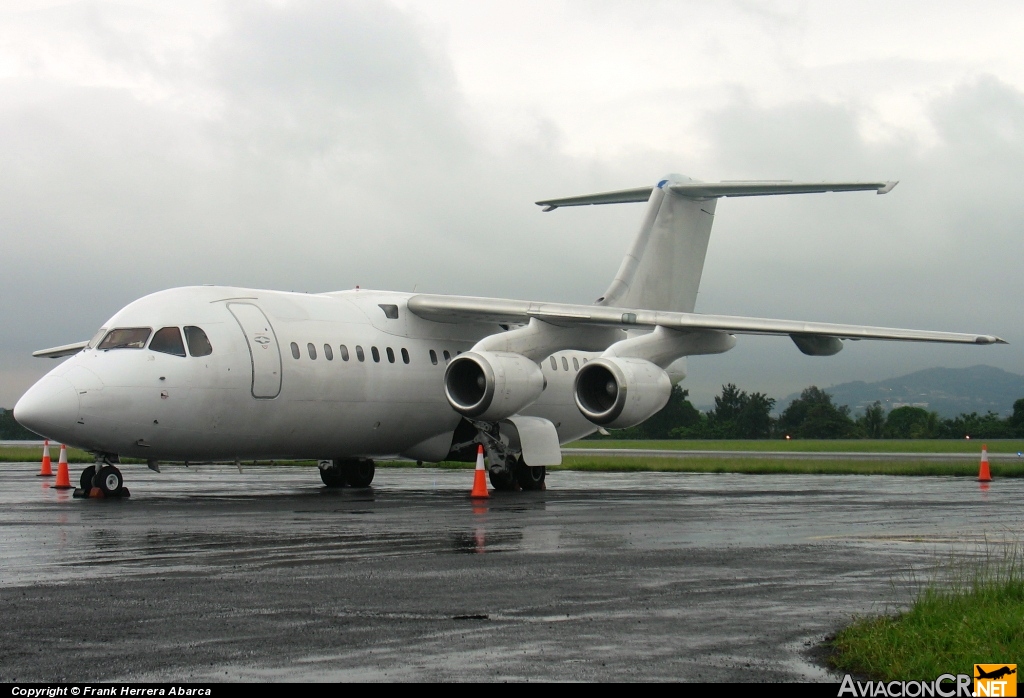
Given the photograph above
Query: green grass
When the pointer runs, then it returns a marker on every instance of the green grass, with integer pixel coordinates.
(973, 612)
(824, 445)
(823, 466)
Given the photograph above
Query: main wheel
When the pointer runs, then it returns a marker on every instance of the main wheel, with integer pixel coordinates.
(85, 482)
(109, 480)
(503, 479)
(530, 478)
(333, 476)
(360, 473)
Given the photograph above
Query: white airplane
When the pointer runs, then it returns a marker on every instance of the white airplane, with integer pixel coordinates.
(221, 373)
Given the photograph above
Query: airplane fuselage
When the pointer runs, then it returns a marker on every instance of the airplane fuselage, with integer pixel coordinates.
(289, 375)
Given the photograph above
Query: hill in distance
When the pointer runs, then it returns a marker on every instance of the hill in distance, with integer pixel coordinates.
(948, 391)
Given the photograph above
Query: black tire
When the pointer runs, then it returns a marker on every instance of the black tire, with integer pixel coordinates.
(109, 480)
(85, 482)
(530, 479)
(360, 473)
(333, 476)
(503, 480)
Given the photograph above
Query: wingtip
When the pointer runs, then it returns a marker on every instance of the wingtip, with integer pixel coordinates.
(889, 186)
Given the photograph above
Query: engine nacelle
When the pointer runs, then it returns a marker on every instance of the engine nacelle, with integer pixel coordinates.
(619, 393)
(492, 385)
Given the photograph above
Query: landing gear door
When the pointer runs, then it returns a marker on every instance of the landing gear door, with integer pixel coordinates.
(263, 349)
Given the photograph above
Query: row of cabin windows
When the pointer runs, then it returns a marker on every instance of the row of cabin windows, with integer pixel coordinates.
(166, 340)
(375, 353)
(360, 354)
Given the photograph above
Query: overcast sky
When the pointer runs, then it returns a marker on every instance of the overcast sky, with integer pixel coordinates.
(313, 146)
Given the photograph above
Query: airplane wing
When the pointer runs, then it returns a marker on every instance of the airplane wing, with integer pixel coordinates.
(712, 190)
(61, 351)
(454, 309)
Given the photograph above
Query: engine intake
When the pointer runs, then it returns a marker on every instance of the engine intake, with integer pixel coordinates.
(620, 393)
(490, 386)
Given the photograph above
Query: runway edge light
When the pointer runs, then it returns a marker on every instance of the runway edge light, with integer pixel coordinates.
(479, 476)
(45, 470)
(983, 473)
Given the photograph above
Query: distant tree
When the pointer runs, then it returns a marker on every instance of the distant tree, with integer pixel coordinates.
(1016, 421)
(738, 415)
(814, 416)
(911, 423)
(872, 422)
(11, 430)
(987, 426)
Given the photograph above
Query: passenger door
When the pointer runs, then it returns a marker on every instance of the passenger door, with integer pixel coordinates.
(263, 349)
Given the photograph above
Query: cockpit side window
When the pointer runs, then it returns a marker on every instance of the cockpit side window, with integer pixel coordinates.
(198, 342)
(96, 338)
(168, 341)
(126, 338)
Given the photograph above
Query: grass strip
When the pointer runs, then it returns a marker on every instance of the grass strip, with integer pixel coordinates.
(972, 447)
(973, 615)
(617, 464)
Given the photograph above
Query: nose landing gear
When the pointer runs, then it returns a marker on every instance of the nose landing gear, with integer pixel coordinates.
(102, 480)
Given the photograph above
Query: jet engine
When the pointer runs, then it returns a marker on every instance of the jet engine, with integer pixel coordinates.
(492, 385)
(620, 392)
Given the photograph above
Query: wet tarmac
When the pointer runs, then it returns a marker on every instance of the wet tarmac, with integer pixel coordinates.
(265, 575)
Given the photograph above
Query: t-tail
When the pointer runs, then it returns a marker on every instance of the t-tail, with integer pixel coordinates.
(662, 269)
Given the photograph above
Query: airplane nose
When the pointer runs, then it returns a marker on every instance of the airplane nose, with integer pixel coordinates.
(50, 408)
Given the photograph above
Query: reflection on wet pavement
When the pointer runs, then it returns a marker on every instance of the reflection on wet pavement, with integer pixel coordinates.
(601, 572)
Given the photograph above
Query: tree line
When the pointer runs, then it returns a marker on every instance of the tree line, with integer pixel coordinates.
(741, 415)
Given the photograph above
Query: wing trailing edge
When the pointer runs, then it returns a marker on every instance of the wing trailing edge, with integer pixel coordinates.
(455, 309)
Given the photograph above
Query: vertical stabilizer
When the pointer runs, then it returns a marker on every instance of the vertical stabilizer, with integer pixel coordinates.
(663, 267)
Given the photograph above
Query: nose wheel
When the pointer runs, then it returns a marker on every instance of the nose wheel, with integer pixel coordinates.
(105, 481)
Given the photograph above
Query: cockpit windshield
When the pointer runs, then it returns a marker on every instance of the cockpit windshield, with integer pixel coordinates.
(125, 338)
(198, 342)
(96, 338)
(168, 341)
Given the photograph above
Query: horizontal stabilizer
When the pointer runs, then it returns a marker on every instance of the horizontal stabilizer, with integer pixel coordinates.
(713, 190)
(61, 351)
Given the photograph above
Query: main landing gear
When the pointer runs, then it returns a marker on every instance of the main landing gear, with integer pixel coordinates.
(351, 472)
(507, 471)
(103, 479)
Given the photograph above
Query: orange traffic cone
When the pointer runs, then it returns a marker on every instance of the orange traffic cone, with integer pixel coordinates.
(983, 474)
(46, 470)
(63, 478)
(479, 476)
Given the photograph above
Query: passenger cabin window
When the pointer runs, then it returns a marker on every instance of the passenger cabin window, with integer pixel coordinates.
(126, 338)
(565, 364)
(391, 355)
(198, 342)
(312, 350)
(359, 353)
(433, 357)
(168, 341)
(295, 350)
(575, 363)
(390, 311)
(447, 356)
(344, 352)
(376, 354)
(554, 364)
(328, 352)
(405, 355)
